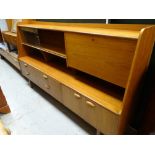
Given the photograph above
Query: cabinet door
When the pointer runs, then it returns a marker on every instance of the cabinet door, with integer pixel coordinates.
(72, 100)
(108, 58)
(99, 117)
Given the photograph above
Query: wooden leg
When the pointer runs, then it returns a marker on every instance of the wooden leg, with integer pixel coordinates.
(30, 84)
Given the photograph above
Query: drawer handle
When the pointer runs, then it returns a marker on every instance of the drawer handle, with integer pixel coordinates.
(90, 104)
(77, 95)
(25, 65)
(45, 77)
(27, 73)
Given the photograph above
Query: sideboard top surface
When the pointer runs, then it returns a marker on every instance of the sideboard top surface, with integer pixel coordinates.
(113, 30)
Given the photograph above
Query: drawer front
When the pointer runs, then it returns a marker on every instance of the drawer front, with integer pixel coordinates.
(45, 82)
(35, 76)
(102, 119)
(72, 100)
(24, 69)
(108, 58)
(55, 89)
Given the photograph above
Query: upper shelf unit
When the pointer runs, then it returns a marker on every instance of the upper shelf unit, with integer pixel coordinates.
(44, 40)
(104, 51)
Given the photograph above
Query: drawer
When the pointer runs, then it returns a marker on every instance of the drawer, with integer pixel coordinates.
(24, 69)
(99, 117)
(45, 82)
(35, 76)
(108, 58)
(72, 100)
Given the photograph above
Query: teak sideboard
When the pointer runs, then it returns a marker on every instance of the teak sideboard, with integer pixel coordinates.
(94, 70)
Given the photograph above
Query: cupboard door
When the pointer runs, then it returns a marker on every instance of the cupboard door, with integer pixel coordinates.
(99, 117)
(72, 100)
(89, 111)
(108, 58)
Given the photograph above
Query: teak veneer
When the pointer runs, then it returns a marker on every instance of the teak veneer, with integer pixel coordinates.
(92, 69)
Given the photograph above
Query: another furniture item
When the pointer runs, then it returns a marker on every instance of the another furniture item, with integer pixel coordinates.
(4, 108)
(10, 38)
(94, 69)
(10, 54)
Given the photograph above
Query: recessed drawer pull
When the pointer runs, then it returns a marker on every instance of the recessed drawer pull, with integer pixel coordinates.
(27, 73)
(45, 76)
(25, 65)
(90, 104)
(77, 95)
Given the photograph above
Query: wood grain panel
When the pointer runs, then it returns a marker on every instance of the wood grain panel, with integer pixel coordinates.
(107, 58)
(10, 37)
(72, 99)
(102, 119)
(139, 67)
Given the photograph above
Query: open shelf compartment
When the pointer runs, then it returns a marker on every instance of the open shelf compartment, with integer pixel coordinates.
(45, 40)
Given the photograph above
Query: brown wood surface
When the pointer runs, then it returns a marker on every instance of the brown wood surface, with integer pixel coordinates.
(45, 82)
(104, 30)
(10, 37)
(138, 69)
(102, 119)
(108, 58)
(111, 108)
(9, 24)
(54, 50)
(106, 95)
(11, 57)
(4, 108)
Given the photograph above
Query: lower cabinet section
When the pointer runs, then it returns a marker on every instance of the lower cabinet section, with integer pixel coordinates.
(100, 118)
(96, 115)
